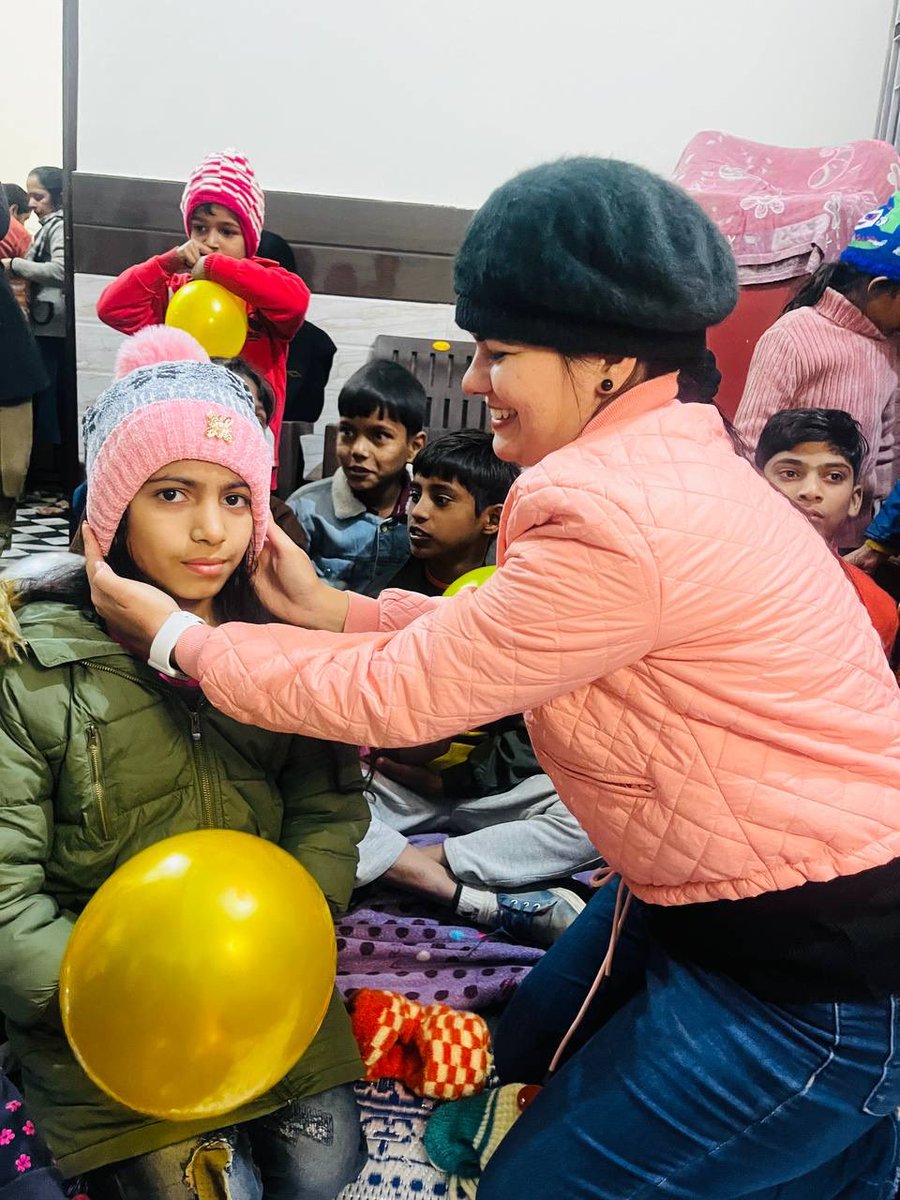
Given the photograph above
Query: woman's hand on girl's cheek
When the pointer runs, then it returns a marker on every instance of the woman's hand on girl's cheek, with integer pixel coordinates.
(133, 611)
(289, 588)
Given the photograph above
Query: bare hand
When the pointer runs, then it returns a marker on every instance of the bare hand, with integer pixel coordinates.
(190, 253)
(134, 612)
(866, 559)
(288, 586)
(199, 269)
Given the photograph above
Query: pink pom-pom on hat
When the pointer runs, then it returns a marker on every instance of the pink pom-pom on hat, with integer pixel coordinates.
(226, 178)
(173, 404)
(156, 344)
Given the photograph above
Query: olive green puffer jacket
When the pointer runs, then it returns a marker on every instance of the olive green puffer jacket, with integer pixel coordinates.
(99, 758)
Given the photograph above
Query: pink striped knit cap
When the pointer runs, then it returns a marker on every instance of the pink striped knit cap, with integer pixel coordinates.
(227, 178)
(170, 403)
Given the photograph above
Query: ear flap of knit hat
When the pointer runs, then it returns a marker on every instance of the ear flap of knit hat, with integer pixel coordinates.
(157, 344)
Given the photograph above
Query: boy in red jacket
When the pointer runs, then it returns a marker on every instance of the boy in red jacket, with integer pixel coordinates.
(814, 456)
(223, 208)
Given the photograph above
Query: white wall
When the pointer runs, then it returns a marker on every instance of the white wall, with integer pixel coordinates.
(32, 93)
(422, 101)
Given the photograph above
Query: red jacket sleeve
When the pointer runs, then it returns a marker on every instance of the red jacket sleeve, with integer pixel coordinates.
(139, 297)
(279, 296)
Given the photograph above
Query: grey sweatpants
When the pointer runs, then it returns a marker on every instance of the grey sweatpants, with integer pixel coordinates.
(509, 840)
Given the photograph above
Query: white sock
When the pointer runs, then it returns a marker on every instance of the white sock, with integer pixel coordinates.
(478, 904)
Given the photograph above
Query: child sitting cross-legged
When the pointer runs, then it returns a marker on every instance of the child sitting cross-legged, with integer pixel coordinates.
(814, 456)
(511, 839)
(356, 520)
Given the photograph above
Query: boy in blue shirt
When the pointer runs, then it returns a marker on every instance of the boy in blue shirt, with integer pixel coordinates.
(356, 520)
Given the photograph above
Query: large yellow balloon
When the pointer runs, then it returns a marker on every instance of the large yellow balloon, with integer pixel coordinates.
(198, 974)
(213, 315)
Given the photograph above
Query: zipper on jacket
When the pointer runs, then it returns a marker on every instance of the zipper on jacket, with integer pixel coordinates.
(93, 747)
(203, 778)
(206, 798)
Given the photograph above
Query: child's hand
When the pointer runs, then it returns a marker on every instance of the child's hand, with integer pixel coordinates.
(190, 253)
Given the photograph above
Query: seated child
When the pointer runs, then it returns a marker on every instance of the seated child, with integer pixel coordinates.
(223, 208)
(178, 495)
(814, 456)
(509, 831)
(356, 520)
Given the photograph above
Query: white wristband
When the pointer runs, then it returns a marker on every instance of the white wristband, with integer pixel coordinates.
(163, 644)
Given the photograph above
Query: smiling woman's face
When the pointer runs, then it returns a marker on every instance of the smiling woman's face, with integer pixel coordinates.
(188, 531)
(538, 401)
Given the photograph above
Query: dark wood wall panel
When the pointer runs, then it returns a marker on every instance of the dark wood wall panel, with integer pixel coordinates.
(344, 246)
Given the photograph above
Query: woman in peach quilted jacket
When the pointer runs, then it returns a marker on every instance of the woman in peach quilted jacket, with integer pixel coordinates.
(705, 690)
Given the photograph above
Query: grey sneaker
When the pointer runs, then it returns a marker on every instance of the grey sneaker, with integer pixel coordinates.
(537, 918)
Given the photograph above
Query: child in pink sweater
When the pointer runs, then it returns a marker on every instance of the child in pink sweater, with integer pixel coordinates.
(835, 347)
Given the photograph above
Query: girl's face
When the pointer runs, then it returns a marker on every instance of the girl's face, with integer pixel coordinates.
(39, 199)
(218, 229)
(189, 528)
(538, 402)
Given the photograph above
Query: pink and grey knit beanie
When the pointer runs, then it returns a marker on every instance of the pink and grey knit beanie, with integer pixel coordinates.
(169, 403)
(227, 178)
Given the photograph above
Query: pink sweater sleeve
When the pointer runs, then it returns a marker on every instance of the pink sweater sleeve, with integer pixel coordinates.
(561, 612)
(773, 383)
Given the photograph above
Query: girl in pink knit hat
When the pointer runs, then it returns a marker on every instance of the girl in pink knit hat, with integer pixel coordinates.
(102, 756)
(223, 209)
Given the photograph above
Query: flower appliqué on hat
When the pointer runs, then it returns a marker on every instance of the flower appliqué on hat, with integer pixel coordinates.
(219, 427)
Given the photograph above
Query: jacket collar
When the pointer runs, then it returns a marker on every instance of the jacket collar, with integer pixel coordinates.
(346, 505)
(60, 634)
(840, 311)
(661, 392)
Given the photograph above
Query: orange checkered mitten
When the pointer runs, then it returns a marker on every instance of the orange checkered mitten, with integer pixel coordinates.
(454, 1054)
(384, 1024)
(435, 1050)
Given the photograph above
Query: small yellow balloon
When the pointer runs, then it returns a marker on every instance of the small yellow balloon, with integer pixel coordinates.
(198, 974)
(213, 315)
(471, 579)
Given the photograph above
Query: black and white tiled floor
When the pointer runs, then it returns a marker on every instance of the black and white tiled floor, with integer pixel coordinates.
(42, 523)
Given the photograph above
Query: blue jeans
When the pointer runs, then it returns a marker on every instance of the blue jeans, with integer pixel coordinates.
(308, 1150)
(683, 1084)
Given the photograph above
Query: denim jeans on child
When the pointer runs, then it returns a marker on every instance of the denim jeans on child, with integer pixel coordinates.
(509, 839)
(681, 1083)
(308, 1150)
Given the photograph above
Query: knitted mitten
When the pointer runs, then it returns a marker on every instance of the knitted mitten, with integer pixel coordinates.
(435, 1050)
(454, 1054)
(461, 1138)
(384, 1024)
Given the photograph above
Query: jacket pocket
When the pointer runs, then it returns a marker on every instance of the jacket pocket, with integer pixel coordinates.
(95, 766)
(611, 781)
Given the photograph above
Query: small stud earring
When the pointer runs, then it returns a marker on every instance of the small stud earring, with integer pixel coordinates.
(607, 385)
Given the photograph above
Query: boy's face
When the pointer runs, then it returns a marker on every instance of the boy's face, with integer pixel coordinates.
(374, 451)
(218, 229)
(442, 518)
(819, 481)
